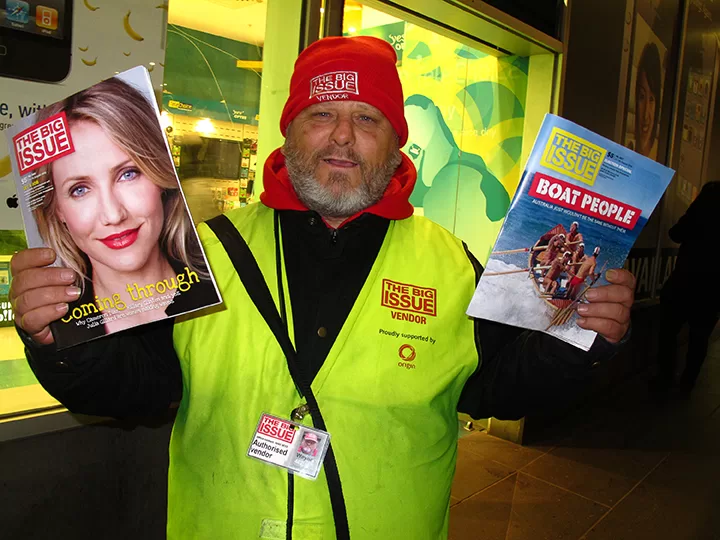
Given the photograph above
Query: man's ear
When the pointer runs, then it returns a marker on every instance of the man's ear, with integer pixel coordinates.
(287, 137)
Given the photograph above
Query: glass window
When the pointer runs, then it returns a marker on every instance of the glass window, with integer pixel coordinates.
(19, 390)
(211, 100)
(466, 112)
(205, 58)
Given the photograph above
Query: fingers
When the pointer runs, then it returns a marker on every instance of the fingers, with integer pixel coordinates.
(40, 294)
(34, 299)
(31, 258)
(36, 322)
(612, 330)
(618, 276)
(620, 294)
(609, 319)
(39, 278)
(608, 312)
(44, 337)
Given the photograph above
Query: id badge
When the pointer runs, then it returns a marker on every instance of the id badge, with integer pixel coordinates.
(283, 443)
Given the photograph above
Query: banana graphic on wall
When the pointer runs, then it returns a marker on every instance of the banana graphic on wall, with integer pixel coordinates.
(91, 8)
(5, 167)
(129, 29)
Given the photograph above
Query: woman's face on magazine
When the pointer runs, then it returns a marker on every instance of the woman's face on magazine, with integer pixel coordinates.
(113, 212)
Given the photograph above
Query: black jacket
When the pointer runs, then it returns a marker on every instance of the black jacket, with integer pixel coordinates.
(699, 256)
(136, 372)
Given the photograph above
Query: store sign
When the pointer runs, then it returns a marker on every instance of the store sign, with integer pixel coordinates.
(175, 104)
(235, 113)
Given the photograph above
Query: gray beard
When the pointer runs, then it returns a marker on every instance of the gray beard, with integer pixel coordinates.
(337, 199)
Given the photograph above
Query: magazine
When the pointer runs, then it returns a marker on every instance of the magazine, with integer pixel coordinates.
(580, 205)
(96, 183)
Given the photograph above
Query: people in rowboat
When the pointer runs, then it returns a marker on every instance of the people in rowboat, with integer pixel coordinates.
(587, 268)
(558, 266)
(554, 246)
(574, 237)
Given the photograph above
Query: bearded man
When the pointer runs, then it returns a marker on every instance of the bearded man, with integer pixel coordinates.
(382, 355)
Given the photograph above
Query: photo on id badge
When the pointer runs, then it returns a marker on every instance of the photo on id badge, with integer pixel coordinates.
(308, 450)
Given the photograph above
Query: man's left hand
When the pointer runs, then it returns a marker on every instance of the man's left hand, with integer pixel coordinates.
(608, 310)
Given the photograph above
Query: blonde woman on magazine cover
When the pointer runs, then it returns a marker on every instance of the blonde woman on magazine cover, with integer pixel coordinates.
(116, 214)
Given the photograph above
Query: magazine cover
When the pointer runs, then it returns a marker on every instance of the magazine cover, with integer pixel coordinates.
(580, 205)
(96, 183)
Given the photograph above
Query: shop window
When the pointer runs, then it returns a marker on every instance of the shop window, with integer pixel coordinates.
(19, 390)
(465, 111)
(211, 100)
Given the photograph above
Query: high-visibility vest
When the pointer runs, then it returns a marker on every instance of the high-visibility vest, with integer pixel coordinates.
(388, 392)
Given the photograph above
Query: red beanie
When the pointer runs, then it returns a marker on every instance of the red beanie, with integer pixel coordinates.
(349, 69)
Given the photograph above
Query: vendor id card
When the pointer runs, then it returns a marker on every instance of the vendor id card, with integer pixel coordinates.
(297, 448)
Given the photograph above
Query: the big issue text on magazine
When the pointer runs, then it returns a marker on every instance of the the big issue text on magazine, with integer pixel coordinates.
(96, 182)
(580, 205)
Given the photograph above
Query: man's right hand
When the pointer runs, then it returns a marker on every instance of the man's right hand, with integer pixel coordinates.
(40, 294)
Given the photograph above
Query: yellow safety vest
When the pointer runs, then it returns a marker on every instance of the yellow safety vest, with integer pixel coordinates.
(388, 392)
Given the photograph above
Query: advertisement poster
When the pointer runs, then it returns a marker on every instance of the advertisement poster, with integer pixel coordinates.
(96, 183)
(466, 112)
(646, 91)
(55, 48)
(580, 206)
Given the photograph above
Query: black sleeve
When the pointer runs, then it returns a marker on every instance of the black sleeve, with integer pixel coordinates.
(522, 371)
(700, 215)
(133, 373)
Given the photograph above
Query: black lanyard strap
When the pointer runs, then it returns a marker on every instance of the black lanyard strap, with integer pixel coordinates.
(249, 272)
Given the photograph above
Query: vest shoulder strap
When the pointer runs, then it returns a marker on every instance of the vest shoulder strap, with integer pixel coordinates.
(251, 276)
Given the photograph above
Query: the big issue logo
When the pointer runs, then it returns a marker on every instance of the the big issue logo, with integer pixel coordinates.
(409, 302)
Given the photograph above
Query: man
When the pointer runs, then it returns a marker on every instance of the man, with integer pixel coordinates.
(574, 237)
(554, 246)
(559, 265)
(339, 248)
(578, 257)
(682, 301)
(309, 444)
(587, 269)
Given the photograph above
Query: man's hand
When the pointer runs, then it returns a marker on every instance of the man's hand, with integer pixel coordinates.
(608, 312)
(40, 295)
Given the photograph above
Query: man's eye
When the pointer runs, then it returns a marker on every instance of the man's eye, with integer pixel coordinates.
(322, 114)
(366, 118)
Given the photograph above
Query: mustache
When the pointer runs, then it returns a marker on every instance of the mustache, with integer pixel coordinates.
(338, 153)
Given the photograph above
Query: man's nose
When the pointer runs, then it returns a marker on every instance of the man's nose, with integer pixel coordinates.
(343, 133)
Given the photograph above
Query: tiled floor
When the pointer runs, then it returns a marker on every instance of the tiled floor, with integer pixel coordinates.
(624, 468)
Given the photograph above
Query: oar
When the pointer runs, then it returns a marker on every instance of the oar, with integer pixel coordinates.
(524, 270)
(563, 315)
(525, 250)
(515, 271)
(521, 250)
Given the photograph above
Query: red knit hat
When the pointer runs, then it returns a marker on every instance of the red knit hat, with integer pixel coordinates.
(350, 69)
